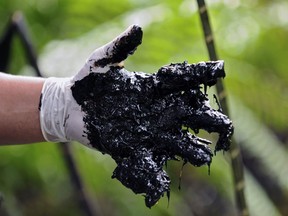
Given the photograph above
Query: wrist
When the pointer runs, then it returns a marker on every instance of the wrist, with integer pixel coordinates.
(54, 104)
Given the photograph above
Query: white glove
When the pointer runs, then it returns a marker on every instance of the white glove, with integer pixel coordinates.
(61, 117)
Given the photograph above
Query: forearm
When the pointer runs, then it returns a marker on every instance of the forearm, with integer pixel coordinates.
(19, 114)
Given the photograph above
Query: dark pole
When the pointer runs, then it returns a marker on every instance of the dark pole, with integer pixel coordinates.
(234, 152)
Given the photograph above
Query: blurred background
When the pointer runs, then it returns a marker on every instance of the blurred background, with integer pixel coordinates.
(251, 36)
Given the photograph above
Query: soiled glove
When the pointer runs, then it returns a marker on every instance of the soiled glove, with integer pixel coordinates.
(141, 120)
(61, 116)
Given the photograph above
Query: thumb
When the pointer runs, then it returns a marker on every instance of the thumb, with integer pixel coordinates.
(113, 52)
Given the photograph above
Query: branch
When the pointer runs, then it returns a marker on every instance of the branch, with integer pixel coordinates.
(5, 46)
(268, 182)
(235, 153)
(76, 180)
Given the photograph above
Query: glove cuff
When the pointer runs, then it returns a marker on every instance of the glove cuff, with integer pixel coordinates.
(55, 100)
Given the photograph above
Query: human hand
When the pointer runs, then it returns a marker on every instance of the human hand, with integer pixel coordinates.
(141, 120)
(61, 116)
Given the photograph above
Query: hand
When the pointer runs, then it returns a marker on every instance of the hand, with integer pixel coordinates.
(61, 116)
(141, 120)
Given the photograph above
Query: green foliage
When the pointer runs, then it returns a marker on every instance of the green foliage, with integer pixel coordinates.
(250, 37)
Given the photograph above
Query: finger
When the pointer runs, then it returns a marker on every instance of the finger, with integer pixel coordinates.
(117, 50)
(189, 147)
(144, 175)
(212, 120)
(193, 149)
(182, 76)
(113, 53)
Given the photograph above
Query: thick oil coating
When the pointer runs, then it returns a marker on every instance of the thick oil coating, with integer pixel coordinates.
(142, 121)
(124, 46)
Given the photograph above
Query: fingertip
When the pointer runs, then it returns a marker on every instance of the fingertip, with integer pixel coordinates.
(126, 43)
(133, 37)
(220, 64)
(134, 28)
(116, 51)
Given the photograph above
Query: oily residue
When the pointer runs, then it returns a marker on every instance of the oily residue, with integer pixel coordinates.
(143, 120)
(123, 46)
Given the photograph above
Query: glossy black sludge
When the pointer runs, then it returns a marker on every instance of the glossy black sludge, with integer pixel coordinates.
(142, 121)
